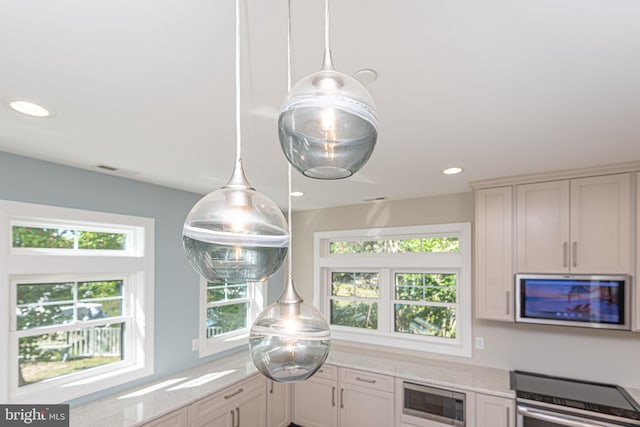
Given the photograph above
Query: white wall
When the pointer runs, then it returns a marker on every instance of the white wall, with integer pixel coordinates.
(605, 356)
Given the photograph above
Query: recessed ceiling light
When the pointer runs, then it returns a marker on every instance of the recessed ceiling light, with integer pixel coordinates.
(29, 108)
(297, 194)
(365, 76)
(452, 171)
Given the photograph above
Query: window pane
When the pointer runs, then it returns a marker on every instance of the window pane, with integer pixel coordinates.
(343, 247)
(223, 292)
(354, 314)
(421, 320)
(441, 244)
(34, 237)
(342, 284)
(366, 285)
(431, 287)
(47, 304)
(48, 356)
(42, 304)
(409, 245)
(361, 285)
(102, 289)
(226, 318)
(34, 293)
(93, 240)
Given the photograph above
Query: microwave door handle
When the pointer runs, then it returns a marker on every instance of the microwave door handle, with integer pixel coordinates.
(556, 418)
(427, 389)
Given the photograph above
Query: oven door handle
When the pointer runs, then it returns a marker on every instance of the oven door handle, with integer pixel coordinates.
(556, 418)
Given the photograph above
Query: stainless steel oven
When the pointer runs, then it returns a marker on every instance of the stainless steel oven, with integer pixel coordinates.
(545, 401)
(421, 402)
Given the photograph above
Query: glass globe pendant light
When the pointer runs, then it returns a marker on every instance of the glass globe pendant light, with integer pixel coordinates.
(235, 234)
(328, 125)
(290, 340)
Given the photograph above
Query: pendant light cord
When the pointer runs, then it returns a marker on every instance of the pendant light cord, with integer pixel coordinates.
(327, 46)
(290, 262)
(238, 132)
(327, 63)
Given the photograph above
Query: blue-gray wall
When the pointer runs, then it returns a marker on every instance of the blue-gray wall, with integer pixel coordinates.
(176, 284)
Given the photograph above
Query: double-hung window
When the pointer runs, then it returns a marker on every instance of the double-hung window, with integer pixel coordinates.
(405, 287)
(79, 289)
(226, 314)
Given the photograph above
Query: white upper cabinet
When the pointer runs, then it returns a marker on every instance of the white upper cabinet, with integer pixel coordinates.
(579, 226)
(494, 254)
(542, 223)
(601, 224)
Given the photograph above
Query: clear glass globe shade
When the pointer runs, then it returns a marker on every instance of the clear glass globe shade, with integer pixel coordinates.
(235, 235)
(328, 126)
(289, 342)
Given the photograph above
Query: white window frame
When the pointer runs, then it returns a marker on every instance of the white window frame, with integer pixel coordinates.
(134, 265)
(389, 263)
(256, 297)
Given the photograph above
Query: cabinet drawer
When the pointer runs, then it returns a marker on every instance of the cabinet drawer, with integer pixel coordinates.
(367, 379)
(204, 408)
(328, 372)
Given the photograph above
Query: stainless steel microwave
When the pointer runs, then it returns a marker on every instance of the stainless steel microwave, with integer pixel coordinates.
(574, 300)
(440, 406)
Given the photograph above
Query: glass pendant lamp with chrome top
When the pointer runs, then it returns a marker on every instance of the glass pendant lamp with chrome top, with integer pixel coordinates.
(328, 125)
(235, 234)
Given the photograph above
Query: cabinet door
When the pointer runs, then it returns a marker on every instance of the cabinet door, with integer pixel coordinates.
(601, 224)
(492, 411)
(315, 403)
(244, 401)
(542, 223)
(360, 406)
(494, 254)
(251, 409)
(177, 418)
(278, 404)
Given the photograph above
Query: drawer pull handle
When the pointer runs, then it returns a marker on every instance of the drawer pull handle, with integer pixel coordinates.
(233, 418)
(229, 396)
(575, 254)
(341, 398)
(238, 420)
(366, 380)
(333, 396)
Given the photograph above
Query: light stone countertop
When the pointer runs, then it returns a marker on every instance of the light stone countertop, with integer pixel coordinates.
(435, 372)
(142, 404)
(145, 403)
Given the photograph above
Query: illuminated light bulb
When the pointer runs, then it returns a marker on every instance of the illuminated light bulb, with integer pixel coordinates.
(290, 340)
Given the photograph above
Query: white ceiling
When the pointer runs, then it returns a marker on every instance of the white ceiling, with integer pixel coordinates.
(499, 87)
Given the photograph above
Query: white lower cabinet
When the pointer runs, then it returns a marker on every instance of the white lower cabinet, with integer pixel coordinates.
(345, 398)
(494, 411)
(242, 405)
(278, 404)
(334, 397)
(315, 400)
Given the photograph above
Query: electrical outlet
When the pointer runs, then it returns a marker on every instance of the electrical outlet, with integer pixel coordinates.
(480, 343)
(195, 344)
